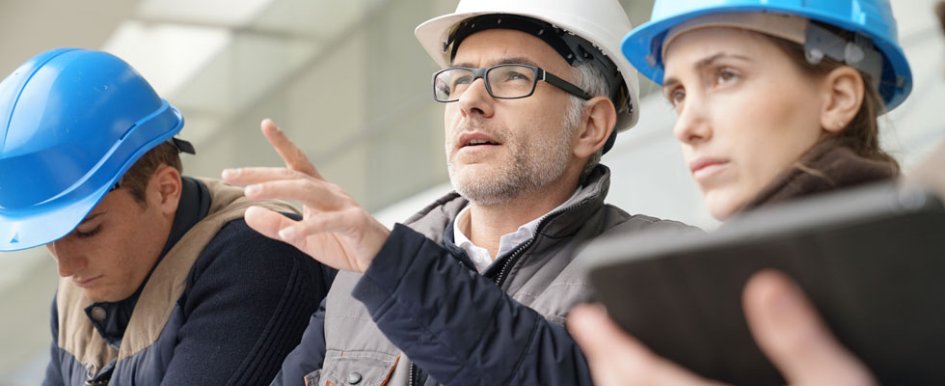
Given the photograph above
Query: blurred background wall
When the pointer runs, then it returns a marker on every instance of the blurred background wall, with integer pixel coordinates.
(349, 83)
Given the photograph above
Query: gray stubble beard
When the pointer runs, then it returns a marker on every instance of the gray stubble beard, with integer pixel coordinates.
(527, 173)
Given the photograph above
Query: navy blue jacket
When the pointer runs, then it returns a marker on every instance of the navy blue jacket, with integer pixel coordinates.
(244, 306)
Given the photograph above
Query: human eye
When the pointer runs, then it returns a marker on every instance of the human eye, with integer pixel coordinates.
(517, 75)
(458, 81)
(443, 88)
(83, 234)
(462, 79)
(514, 74)
(451, 77)
(725, 75)
(675, 95)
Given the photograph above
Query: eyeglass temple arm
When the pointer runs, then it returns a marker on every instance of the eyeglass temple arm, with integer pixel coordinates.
(565, 85)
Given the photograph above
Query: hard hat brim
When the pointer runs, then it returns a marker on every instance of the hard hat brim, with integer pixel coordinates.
(45, 226)
(56, 218)
(643, 45)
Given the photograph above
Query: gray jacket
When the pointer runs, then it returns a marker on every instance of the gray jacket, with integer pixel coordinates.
(420, 294)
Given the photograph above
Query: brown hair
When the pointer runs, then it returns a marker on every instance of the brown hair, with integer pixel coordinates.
(862, 133)
(137, 177)
(940, 12)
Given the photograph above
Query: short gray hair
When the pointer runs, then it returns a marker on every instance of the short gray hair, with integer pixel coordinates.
(589, 78)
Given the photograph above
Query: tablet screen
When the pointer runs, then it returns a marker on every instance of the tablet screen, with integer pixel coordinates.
(871, 260)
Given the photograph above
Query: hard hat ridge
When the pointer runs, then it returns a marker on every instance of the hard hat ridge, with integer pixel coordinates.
(73, 122)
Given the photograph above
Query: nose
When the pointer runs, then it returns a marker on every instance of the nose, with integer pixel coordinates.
(476, 100)
(70, 262)
(692, 124)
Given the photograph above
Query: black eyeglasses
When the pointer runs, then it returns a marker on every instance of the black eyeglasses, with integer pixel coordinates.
(504, 81)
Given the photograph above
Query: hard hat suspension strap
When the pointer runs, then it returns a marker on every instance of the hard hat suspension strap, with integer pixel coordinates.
(574, 49)
(858, 52)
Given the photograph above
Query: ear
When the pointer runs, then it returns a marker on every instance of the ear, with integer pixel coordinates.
(600, 116)
(844, 93)
(165, 188)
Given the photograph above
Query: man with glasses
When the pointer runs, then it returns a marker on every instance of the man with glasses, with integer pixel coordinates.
(474, 289)
(503, 81)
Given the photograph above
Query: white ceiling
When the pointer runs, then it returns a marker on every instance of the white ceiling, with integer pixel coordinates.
(30, 27)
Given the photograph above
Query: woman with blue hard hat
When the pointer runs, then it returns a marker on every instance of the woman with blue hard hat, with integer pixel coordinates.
(775, 100)
(769, 83)
(161, 280)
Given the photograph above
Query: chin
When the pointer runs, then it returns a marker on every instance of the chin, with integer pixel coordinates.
(720, 214)
(721, 206)
(458, 179)
(103, 296)
(466, 174)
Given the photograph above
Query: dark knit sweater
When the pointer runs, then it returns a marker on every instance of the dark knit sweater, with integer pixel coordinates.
(246, 303)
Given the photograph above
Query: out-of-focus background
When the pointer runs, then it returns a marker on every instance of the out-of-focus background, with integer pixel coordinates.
(348, 81)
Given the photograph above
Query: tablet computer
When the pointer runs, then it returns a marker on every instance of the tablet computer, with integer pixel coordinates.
(872, 260)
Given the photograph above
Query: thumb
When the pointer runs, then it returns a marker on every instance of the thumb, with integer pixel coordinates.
(593, 331)
(616, 358)
(791, 333)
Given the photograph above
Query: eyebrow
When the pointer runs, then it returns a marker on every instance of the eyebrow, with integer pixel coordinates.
(703, 63)
(512, 60)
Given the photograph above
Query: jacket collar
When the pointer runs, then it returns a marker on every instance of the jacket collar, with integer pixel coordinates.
(435, 221)
(829, 165)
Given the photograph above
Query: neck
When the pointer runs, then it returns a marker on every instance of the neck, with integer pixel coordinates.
(485, 225)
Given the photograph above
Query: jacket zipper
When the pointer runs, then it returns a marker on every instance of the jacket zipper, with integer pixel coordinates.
(506, 267)
(518, 252)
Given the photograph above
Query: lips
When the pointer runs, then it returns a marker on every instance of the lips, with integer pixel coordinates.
(703, 167)
(475, 139)
(85, 282)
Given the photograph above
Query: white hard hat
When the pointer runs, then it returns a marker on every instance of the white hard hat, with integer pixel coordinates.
(603, 23)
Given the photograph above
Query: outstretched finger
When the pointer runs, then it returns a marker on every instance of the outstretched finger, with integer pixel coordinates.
(293, 157)
(790, 332)
(258, 175)
(312, 193)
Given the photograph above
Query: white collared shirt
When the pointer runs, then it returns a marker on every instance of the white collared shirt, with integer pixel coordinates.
(480, 256)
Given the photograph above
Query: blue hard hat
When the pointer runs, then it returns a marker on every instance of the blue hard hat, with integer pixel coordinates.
(870, 18)
(72, 122)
